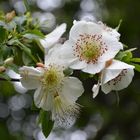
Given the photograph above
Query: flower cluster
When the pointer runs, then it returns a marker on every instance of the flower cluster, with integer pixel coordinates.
(91, 48)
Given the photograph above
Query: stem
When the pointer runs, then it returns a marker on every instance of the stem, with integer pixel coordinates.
(27, 52)
(12, 80)
(117, 98)
(26, 5)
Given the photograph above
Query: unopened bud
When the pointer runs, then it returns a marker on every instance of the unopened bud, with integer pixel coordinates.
(9, 61)
(9, 16)
(108, 63)
(2, 69)
(40, 65)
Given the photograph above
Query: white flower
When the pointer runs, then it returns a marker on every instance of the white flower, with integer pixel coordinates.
(116, 77)
(51, 41)
(53, 38)
(54, 55)
(89, 47)
(55, 92)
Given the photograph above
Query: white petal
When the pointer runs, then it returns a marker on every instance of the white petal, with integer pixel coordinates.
(55, 56)
(84, 27)
(112, 32)
(30, 77)
(108, 75)
(43, 99)
(95, 89)
(94, 68)
(106, 88)
(114, 70)
(78, 65)
(72, 89)
(67, 53)
(38, 95)
(65, 116)
(121, 84)
(53, 37)
(116, 64)
(113, 47)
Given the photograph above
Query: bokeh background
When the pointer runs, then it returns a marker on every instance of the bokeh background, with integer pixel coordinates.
(101, 118)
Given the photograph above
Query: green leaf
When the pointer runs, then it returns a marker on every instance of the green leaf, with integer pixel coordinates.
(20, 20)
(33, 34)
(5, 76)
(26, 50)
(127, 57)
(7, 89)
(85, 76)
(120, 55)
(11, 25)
(137, 66)
(46, 122)
(26, 5)
(26, 59)
(3, 34)
(135, 60)
(34, 108)
(13, 67)
(68, 72)
(5, 51)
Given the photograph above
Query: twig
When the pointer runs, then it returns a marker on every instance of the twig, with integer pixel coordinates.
(12, 80)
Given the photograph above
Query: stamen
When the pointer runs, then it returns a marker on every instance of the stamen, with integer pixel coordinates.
(89, 48)
(53, 77)
(64, 113)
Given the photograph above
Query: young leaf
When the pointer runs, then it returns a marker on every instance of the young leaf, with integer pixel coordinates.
(26, 59)
(27, 51)
(26, 5)
(137, 66)
(3, 34)
(5, 76)
(33, 34)
(127, 57)
(68, 71)
(137, 60)
(46, 122)
(124, 55)
(14, 67)
(120, 55)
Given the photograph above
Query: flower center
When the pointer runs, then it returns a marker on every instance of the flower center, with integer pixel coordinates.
(89, 48)
(90, 51)
(53, 77)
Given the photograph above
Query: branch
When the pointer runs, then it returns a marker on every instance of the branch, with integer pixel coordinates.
(12, 80)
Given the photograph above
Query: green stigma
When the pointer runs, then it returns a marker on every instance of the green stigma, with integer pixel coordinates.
(90, 52)
(52, 77)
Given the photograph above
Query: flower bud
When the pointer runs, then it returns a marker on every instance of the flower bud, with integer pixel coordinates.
(9, 16)
(8, 61)
(108, 63)
(2, 69)
(40, 65)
